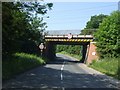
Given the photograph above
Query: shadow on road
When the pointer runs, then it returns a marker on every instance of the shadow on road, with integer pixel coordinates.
(48, 77)
(60, 60)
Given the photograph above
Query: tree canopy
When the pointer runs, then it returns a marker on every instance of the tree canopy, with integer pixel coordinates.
(21, 26)
(107, 37)
(93, 24)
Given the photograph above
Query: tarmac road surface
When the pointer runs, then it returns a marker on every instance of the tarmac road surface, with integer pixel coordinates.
(63, 73)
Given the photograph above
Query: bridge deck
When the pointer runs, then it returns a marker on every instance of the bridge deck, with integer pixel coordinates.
(66, 36)
(74, 38)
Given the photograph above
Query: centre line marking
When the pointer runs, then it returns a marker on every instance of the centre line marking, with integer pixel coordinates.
(61, 76)
(62, 70)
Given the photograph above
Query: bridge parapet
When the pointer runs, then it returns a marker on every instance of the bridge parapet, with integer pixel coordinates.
(74, 38)
(66, 36)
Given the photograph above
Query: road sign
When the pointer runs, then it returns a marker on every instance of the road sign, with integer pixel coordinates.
(69, 36)
(41, 46)
(93, 53)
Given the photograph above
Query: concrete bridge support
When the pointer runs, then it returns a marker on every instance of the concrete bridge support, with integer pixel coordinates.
(91, 53)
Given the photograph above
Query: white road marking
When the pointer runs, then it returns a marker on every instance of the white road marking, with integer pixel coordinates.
(63, 88)
(62, 70)
(62, 67)
(61, 76)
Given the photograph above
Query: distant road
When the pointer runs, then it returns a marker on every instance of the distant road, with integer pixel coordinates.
(63, 73)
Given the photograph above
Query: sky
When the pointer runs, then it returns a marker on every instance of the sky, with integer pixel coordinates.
(75, 15)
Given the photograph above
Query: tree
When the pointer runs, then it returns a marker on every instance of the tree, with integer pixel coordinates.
(71, 49)
(10, 29)
(88, 31)
(107, 37)
(93, 24)
(21, 24)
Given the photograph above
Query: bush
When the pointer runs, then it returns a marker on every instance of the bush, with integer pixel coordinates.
(108, 37)
(30, 47)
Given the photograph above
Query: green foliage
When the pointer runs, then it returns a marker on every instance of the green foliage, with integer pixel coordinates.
(94, 61)
(107, 37)
(20, 24)
(72, 55)
(29, 47)
(108, 66)
(95, 21)
(72, 49)
(88, 31)
(93, 24)
(18, 63)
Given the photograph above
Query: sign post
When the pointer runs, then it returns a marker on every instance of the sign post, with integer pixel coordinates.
(41, 46)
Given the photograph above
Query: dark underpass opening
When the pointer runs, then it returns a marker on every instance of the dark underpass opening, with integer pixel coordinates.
(76, 50)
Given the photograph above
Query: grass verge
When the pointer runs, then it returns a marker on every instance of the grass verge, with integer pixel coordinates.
(19, 62)
(108, 66)
(72, 55)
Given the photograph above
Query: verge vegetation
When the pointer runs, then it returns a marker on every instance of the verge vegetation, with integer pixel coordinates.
(108, 66)
(20, 62)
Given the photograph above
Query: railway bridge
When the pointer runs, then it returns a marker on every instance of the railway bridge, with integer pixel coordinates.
(86, 41)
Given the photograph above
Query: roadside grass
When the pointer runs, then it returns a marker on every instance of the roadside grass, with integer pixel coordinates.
(108, 66)
(72, 55)
(19, 62)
